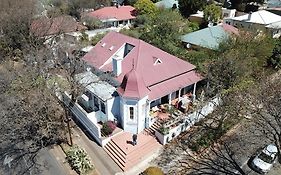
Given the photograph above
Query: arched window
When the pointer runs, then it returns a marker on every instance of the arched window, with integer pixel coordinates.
(131, 110)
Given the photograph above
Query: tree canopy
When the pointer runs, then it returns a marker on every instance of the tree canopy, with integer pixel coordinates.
(145, 7)
(212, 13)
(188, 7)
(241, 4)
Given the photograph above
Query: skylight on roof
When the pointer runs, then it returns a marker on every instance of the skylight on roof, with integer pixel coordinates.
(158, 61)
(103, 44)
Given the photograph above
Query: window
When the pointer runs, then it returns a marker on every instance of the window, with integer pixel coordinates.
(131, 109)
(96, 102)
(102, 106)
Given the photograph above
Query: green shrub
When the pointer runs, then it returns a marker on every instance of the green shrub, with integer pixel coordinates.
(163, 130)
(153, 171)
(79, 160)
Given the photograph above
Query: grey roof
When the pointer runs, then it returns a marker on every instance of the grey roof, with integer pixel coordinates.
(167, 3)
(101, 89)
(275, 25)
(209, 37)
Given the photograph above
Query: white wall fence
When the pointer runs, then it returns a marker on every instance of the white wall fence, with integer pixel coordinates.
(188, 121)
(86, 119)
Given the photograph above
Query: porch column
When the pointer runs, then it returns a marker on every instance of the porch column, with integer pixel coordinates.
(179, 93)
(170, 98)
(194, 90)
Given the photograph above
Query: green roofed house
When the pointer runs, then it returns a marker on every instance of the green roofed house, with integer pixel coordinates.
(167, 4)
(209, 37)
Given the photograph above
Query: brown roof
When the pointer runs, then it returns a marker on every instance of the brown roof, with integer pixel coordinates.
(45, 26)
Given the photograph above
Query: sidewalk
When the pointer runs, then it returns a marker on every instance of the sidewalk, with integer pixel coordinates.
(59, 155)
(104, 165)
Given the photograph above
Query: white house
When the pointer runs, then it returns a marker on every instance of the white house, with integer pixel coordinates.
(146, 76)
(114, 16)
(261, 20)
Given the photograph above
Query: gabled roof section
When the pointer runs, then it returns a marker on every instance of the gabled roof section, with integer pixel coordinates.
(210, 37)
(139, 63)
(260, 17)
(114, 12)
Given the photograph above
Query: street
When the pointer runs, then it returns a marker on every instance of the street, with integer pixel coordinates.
(245, 141)
(52, 162)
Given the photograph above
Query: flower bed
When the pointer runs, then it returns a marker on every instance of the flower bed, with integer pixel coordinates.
(79, 160)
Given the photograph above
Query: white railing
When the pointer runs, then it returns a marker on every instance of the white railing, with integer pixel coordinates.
(86, 119)
(185, 122)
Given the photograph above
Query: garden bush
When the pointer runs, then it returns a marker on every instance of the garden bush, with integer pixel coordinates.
(108, 127)
(79, 160)
(153, 171)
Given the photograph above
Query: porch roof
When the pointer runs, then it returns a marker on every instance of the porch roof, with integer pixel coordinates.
(164, 88)
(99, 88)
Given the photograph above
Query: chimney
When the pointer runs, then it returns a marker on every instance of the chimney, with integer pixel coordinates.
(117, 65)
(249, 16)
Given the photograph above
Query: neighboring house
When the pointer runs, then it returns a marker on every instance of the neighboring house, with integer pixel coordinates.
(114, 16)
(228, 13)
(44, 26)
(168, 4)
(261, 20)
(147, 77)
(199, 16)
(209, 37)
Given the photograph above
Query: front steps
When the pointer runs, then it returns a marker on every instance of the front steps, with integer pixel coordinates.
(125, 155)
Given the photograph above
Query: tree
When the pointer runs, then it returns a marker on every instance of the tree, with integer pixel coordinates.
(275, 59)
(265, 107)
(164, 33)
(188, 7)
(31, 118)
(241, 4)
(239, 60)
(146, 7)
(212, 13)
(218, 159)
(15, 27)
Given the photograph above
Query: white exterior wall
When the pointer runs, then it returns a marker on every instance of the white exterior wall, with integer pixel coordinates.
(228, 13)
(113, 108)
(137, 124)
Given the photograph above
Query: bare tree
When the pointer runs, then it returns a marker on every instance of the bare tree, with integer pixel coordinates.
(265, 106)
(217, 159)
(30, 119)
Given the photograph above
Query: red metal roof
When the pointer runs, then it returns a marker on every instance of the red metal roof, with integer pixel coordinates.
(133, 86)
(164, 88)
(230, 29)
(142, 60)
(120, 13)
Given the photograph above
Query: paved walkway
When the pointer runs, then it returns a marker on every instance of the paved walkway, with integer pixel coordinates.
(102, 162)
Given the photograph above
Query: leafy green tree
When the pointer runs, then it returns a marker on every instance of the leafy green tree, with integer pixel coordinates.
(188, 7)
(164, 33)
(239, 60)
(146, 7)
(212, 13)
